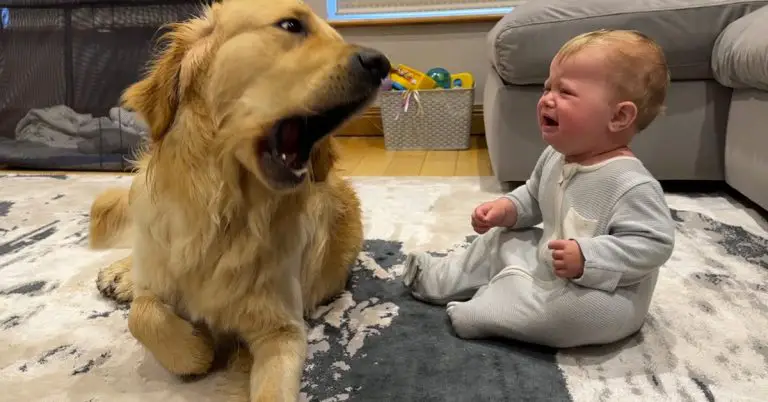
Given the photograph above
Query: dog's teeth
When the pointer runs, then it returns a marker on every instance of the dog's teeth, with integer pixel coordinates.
(299, 172)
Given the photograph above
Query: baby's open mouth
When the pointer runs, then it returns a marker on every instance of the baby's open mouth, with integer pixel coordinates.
(549, 121)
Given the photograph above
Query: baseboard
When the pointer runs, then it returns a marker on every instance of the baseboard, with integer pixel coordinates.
(369, 123)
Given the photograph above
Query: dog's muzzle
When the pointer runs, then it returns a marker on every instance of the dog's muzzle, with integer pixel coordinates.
(284, 154)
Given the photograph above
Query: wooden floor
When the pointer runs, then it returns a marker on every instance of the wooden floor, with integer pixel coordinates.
(367, 156)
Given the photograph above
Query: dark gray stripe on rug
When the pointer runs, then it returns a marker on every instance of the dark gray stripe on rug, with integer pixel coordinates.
(5, 207)
(382, 345)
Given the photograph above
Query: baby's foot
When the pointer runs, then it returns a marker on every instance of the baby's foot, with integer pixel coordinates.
(465, 320)
(429, 279)
(413, 265)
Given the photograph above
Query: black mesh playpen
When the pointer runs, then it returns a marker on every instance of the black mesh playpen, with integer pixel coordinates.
(63, 66)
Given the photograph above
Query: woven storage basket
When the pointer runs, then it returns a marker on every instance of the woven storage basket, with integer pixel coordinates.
(440, 119)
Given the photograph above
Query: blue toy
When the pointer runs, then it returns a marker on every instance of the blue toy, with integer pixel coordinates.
(441, 76)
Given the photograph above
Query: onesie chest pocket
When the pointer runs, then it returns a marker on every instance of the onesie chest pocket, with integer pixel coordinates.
(575, 225)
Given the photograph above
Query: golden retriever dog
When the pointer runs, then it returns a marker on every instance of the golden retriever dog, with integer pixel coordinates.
(237, 222)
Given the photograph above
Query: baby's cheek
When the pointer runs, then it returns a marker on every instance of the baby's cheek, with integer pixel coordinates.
(581, 122)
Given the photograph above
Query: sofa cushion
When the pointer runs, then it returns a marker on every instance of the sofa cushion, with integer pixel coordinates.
(523, 43)
(740, 56)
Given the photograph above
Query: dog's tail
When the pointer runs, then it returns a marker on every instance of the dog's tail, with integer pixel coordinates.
(110, 225)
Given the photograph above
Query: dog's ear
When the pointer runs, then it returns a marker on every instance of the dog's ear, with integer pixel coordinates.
(324, 156)
(157, 95)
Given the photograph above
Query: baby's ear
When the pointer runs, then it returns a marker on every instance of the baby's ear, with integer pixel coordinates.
(623, 117)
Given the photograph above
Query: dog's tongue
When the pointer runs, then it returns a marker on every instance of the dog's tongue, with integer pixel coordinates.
(289, 137)
(289, 143)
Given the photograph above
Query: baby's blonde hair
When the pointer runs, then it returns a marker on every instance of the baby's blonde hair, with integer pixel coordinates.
(638, 65)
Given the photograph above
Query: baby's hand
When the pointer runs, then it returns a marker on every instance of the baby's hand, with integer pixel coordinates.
(567, 258)
(491, 214)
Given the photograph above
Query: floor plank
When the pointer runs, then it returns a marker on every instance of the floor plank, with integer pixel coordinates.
(440, 163)
(376, 159)
(406, 163)
(474, 161)
(353, 150)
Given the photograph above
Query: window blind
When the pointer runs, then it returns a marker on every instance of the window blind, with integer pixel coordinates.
(351, 7)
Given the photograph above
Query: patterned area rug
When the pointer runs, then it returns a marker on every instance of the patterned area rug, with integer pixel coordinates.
(705, 339)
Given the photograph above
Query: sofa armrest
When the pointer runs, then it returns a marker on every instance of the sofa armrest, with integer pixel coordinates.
(524, 42)
(740, 55)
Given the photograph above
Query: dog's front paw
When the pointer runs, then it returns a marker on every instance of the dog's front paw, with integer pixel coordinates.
(180, 347)
(114, 281)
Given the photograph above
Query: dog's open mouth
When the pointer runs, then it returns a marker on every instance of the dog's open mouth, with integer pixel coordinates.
(284, 154)
(287, 147)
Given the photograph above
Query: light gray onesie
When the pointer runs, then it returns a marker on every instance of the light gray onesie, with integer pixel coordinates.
(503, 284)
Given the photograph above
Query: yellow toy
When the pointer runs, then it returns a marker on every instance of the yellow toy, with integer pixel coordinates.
(409, 78)
(462, 80)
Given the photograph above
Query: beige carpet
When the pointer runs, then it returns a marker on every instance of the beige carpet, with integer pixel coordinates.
(705, 339)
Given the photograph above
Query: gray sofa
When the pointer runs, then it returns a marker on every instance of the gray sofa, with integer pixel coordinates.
(716, 123)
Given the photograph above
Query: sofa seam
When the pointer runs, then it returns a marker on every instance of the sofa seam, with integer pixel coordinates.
(670, 67)
(504, 31)
(619, 13)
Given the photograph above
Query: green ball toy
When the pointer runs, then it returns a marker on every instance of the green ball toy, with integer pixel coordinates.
(441, 76)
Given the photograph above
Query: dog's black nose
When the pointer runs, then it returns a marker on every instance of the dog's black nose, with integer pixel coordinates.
(374, 63)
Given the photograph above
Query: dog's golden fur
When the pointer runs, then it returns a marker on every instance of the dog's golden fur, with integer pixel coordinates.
(217, 248)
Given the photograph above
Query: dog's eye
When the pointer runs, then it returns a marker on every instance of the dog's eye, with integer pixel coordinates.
(291, 25)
